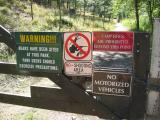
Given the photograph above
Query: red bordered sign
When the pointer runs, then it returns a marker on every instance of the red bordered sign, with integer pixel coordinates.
(113, 41)
(78, 46)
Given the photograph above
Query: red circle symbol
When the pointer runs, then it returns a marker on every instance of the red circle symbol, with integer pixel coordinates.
(84, 53)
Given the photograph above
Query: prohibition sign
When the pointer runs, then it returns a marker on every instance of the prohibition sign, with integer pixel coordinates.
(84, 53)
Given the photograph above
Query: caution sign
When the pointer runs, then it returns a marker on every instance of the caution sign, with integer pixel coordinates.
(78, 46)
(113, 41)
(78, 68)
(112, 83)
(39, 51)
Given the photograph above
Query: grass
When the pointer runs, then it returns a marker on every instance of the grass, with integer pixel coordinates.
(45, 19)
(27, 116)
(16, 15)
(144, 24)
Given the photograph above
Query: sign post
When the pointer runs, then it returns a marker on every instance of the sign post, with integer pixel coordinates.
(39, 51)
(155, 61)
(153, 105)
(78, 53)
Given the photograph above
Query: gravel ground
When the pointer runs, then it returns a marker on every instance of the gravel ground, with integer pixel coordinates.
(21, 85)
(14, 112)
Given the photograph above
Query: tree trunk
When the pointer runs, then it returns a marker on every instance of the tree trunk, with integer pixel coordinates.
(32, 9)
(60, 15)
(104, 16)
(57, 3)
(67, 4)
(84, 10)
(137, 14)
(150, 14)
(49, 3)
(75, 5)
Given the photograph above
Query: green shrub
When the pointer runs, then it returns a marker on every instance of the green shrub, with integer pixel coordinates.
(5, 10)
(130, 23)
(2, 2)
(143, 24)
(4, 19)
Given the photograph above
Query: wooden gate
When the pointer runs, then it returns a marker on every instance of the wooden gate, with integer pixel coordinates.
(80, 101)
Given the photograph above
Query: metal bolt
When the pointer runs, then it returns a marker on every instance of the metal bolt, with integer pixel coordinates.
(146, 36)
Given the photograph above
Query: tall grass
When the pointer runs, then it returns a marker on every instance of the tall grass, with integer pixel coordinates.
(46, 19)
(144, 24)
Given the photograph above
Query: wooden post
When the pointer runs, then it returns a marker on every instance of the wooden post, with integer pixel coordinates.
(137, 13)
(60, 15)
(153, 104)
(32, 9)
(155, 57)
(84, 11)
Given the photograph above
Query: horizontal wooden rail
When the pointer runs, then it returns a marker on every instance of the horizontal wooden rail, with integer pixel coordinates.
(70, 89)
(47, 103)
(10, 68)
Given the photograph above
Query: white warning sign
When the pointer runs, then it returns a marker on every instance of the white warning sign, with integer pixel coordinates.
(78, 68)
(78, 46)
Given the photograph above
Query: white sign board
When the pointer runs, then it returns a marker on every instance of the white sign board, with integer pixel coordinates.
(78, 68)
(155, 58)
(77, 46)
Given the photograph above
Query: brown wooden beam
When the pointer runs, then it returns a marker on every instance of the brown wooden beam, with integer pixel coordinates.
(46, 103)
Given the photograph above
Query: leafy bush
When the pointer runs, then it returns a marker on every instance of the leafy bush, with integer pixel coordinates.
(130, 23)
(56, 22)
(4, 19)
(143, 24)
(5, 10)
(2, 2)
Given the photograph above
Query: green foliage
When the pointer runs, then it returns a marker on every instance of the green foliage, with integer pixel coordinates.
(27, 116)
(144, 24)
(130, 23)
(5, 10)
(17, 15)
(2, 2)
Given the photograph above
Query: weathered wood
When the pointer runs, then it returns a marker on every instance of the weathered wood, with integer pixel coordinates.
(83, 97)
(138, 101)
(141, 71)
(155, 56)
(10, 68)
(50, 93)
(141, 55)
(7, 38)
(46, 103)
(86, 102)
(70, 88)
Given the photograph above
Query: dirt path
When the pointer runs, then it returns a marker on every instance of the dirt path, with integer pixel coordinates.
(14, 112)
(120, 27)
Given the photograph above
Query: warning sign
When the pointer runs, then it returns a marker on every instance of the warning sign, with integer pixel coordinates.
(113, 41)
(39, 51)
(112, 83)
(78, 46)
(78, 69)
